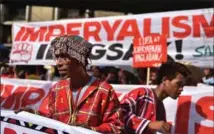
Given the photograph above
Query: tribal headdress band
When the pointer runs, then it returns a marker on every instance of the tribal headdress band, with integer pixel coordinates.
(73, 45)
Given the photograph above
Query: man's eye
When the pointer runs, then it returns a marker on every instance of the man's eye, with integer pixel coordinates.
(180, 84)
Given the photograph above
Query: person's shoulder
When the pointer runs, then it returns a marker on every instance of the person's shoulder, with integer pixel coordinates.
(141, 91)
(203, 79)
(105, 85)
(211, 79)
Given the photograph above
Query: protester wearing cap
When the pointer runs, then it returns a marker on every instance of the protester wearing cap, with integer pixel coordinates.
(73, 48)
(79, 99)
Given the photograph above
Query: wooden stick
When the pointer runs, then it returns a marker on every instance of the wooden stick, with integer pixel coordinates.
(148, 76)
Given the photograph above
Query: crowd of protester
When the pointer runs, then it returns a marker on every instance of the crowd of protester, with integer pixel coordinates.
(112, 74)
(76, 95)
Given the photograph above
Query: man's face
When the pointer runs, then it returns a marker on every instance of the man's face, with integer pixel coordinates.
(112, 78)
(122, 77)
(142, 73)
(206, 71)
(66, 66)
(96, 71)
(174, 87)
(153, 76)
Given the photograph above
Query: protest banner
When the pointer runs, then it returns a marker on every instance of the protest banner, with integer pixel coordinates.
(189, 36)
(27, 123)
(191, 113)
(149, 51)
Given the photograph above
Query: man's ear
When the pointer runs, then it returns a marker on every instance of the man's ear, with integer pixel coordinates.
(164, 79)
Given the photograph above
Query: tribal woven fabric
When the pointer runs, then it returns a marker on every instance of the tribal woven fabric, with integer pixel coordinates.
(141, 106)
(73, 45)
(98, 108)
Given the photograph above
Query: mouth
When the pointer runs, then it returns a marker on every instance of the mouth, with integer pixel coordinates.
(62, 72)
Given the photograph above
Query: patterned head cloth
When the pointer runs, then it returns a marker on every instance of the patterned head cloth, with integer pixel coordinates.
(73, 45)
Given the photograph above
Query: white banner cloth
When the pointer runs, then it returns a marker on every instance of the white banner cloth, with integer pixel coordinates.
(191, 113)
(189, 33)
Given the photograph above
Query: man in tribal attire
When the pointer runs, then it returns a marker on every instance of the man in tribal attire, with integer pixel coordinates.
(144, 108)
(79, 99)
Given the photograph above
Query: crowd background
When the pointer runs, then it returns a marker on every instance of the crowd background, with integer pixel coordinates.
(113, 75)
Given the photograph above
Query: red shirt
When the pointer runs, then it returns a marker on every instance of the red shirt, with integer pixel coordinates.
(98, 108)
(141, 106)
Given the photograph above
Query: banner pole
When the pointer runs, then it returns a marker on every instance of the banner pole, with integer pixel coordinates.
(148, 76)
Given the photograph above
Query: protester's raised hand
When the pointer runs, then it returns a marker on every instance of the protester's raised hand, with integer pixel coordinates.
(25, 109)
(160, 126)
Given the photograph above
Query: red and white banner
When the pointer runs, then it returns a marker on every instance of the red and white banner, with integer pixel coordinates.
(189, 35)
(27, 123)
(191, 113)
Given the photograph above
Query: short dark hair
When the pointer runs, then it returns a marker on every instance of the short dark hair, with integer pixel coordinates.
(170, 70)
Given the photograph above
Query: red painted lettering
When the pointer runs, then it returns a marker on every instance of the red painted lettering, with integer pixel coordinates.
(124, 32)
(200, 20)
(9, 131)
(199, 129)
(33, 35)
(15, 97)
(182, 117)
(177, 22)
(71, 28)
(28, 100)
(52, 31)
(147, 28)
(19, 34)
(203, 107)
(165, 27)
(110, 30)
(88, 33)
(6, 90)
